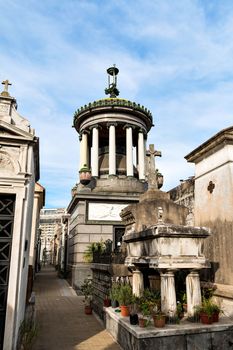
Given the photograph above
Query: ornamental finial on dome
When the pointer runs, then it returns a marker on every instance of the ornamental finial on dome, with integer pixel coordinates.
(112, 82)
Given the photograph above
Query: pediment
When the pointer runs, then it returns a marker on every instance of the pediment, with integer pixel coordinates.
(11, 131)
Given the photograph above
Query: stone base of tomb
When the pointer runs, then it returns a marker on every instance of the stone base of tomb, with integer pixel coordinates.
(183, 336)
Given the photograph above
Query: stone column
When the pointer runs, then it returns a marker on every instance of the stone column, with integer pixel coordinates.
(95, 151)
(193, 292)
(168, 293)
(141, 155)
(129, 150)
(138, 283)
(112, 149)
(83, 150)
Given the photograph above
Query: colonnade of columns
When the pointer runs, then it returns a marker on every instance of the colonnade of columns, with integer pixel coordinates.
(141, 149)
(168, 291)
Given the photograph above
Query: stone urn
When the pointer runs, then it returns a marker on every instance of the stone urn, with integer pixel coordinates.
(85, 175)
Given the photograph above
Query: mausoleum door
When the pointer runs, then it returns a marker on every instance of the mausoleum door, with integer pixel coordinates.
(7, 204)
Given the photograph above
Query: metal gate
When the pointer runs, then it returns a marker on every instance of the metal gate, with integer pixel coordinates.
(7, 204)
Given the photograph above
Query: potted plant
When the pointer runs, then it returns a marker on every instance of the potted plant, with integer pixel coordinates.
(216, 312)
(179, 310)
(134, 308)
(144, 320)
(208, 311)
(125, 298)
(184, 301)
(159, 319)
(87, 290)
(107, 301)
(114, 293)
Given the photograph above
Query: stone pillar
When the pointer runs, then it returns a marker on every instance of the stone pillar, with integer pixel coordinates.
(138, 283)
(84, 150)
(129, 151)
(95, 151)
(141, 155)
(112, 149)
(193, 292)
(168, 293)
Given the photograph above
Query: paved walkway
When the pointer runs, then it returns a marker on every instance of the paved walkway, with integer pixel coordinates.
(61, 319)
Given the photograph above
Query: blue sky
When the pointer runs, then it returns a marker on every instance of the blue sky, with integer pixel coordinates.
(175, 57)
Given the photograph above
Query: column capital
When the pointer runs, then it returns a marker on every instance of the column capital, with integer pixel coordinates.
(111, 124)
(95, 126)
(142, 131)
(126, 126)
(84, 131)
(168, 272)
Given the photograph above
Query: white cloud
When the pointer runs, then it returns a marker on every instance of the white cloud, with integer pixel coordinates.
(175, 57)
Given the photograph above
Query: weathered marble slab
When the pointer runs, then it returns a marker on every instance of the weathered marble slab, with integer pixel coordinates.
(183, 336)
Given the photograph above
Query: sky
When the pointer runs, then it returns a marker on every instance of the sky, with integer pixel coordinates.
(175, 57)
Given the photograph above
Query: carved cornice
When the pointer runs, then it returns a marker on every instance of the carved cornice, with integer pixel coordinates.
(112, 102)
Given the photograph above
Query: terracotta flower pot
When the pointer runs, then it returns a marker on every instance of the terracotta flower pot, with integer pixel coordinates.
(160, 321)
(142, 322)
(124, 310)
(107, 302)
(88, 310)
(205, 319)
(215, 317)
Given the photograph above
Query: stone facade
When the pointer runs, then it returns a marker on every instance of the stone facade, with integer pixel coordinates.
(34, 257)
(213, 207)
(19, 170)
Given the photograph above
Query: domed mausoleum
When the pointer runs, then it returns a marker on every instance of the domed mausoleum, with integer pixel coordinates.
(112, 133)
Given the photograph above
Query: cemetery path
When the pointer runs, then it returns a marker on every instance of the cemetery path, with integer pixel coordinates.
(61, 319)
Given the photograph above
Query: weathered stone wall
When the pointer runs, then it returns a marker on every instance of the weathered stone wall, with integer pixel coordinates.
(102, 282)
(102, 275)
(81, 235)
(179, 337)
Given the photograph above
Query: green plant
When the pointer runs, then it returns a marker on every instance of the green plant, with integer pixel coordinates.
(87, 290)
(125, 294)
(114, 292)
(208, 307)
(159, 315)
(27, 332)
(135, 305)
(179, 309)
(145, 308)
(91, 248)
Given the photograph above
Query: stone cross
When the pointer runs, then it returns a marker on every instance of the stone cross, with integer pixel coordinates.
(151, 168)
(6, 83)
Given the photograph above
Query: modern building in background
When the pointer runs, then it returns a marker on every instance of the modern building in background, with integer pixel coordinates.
(19, 170)
(53, 237)
(113, 133)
